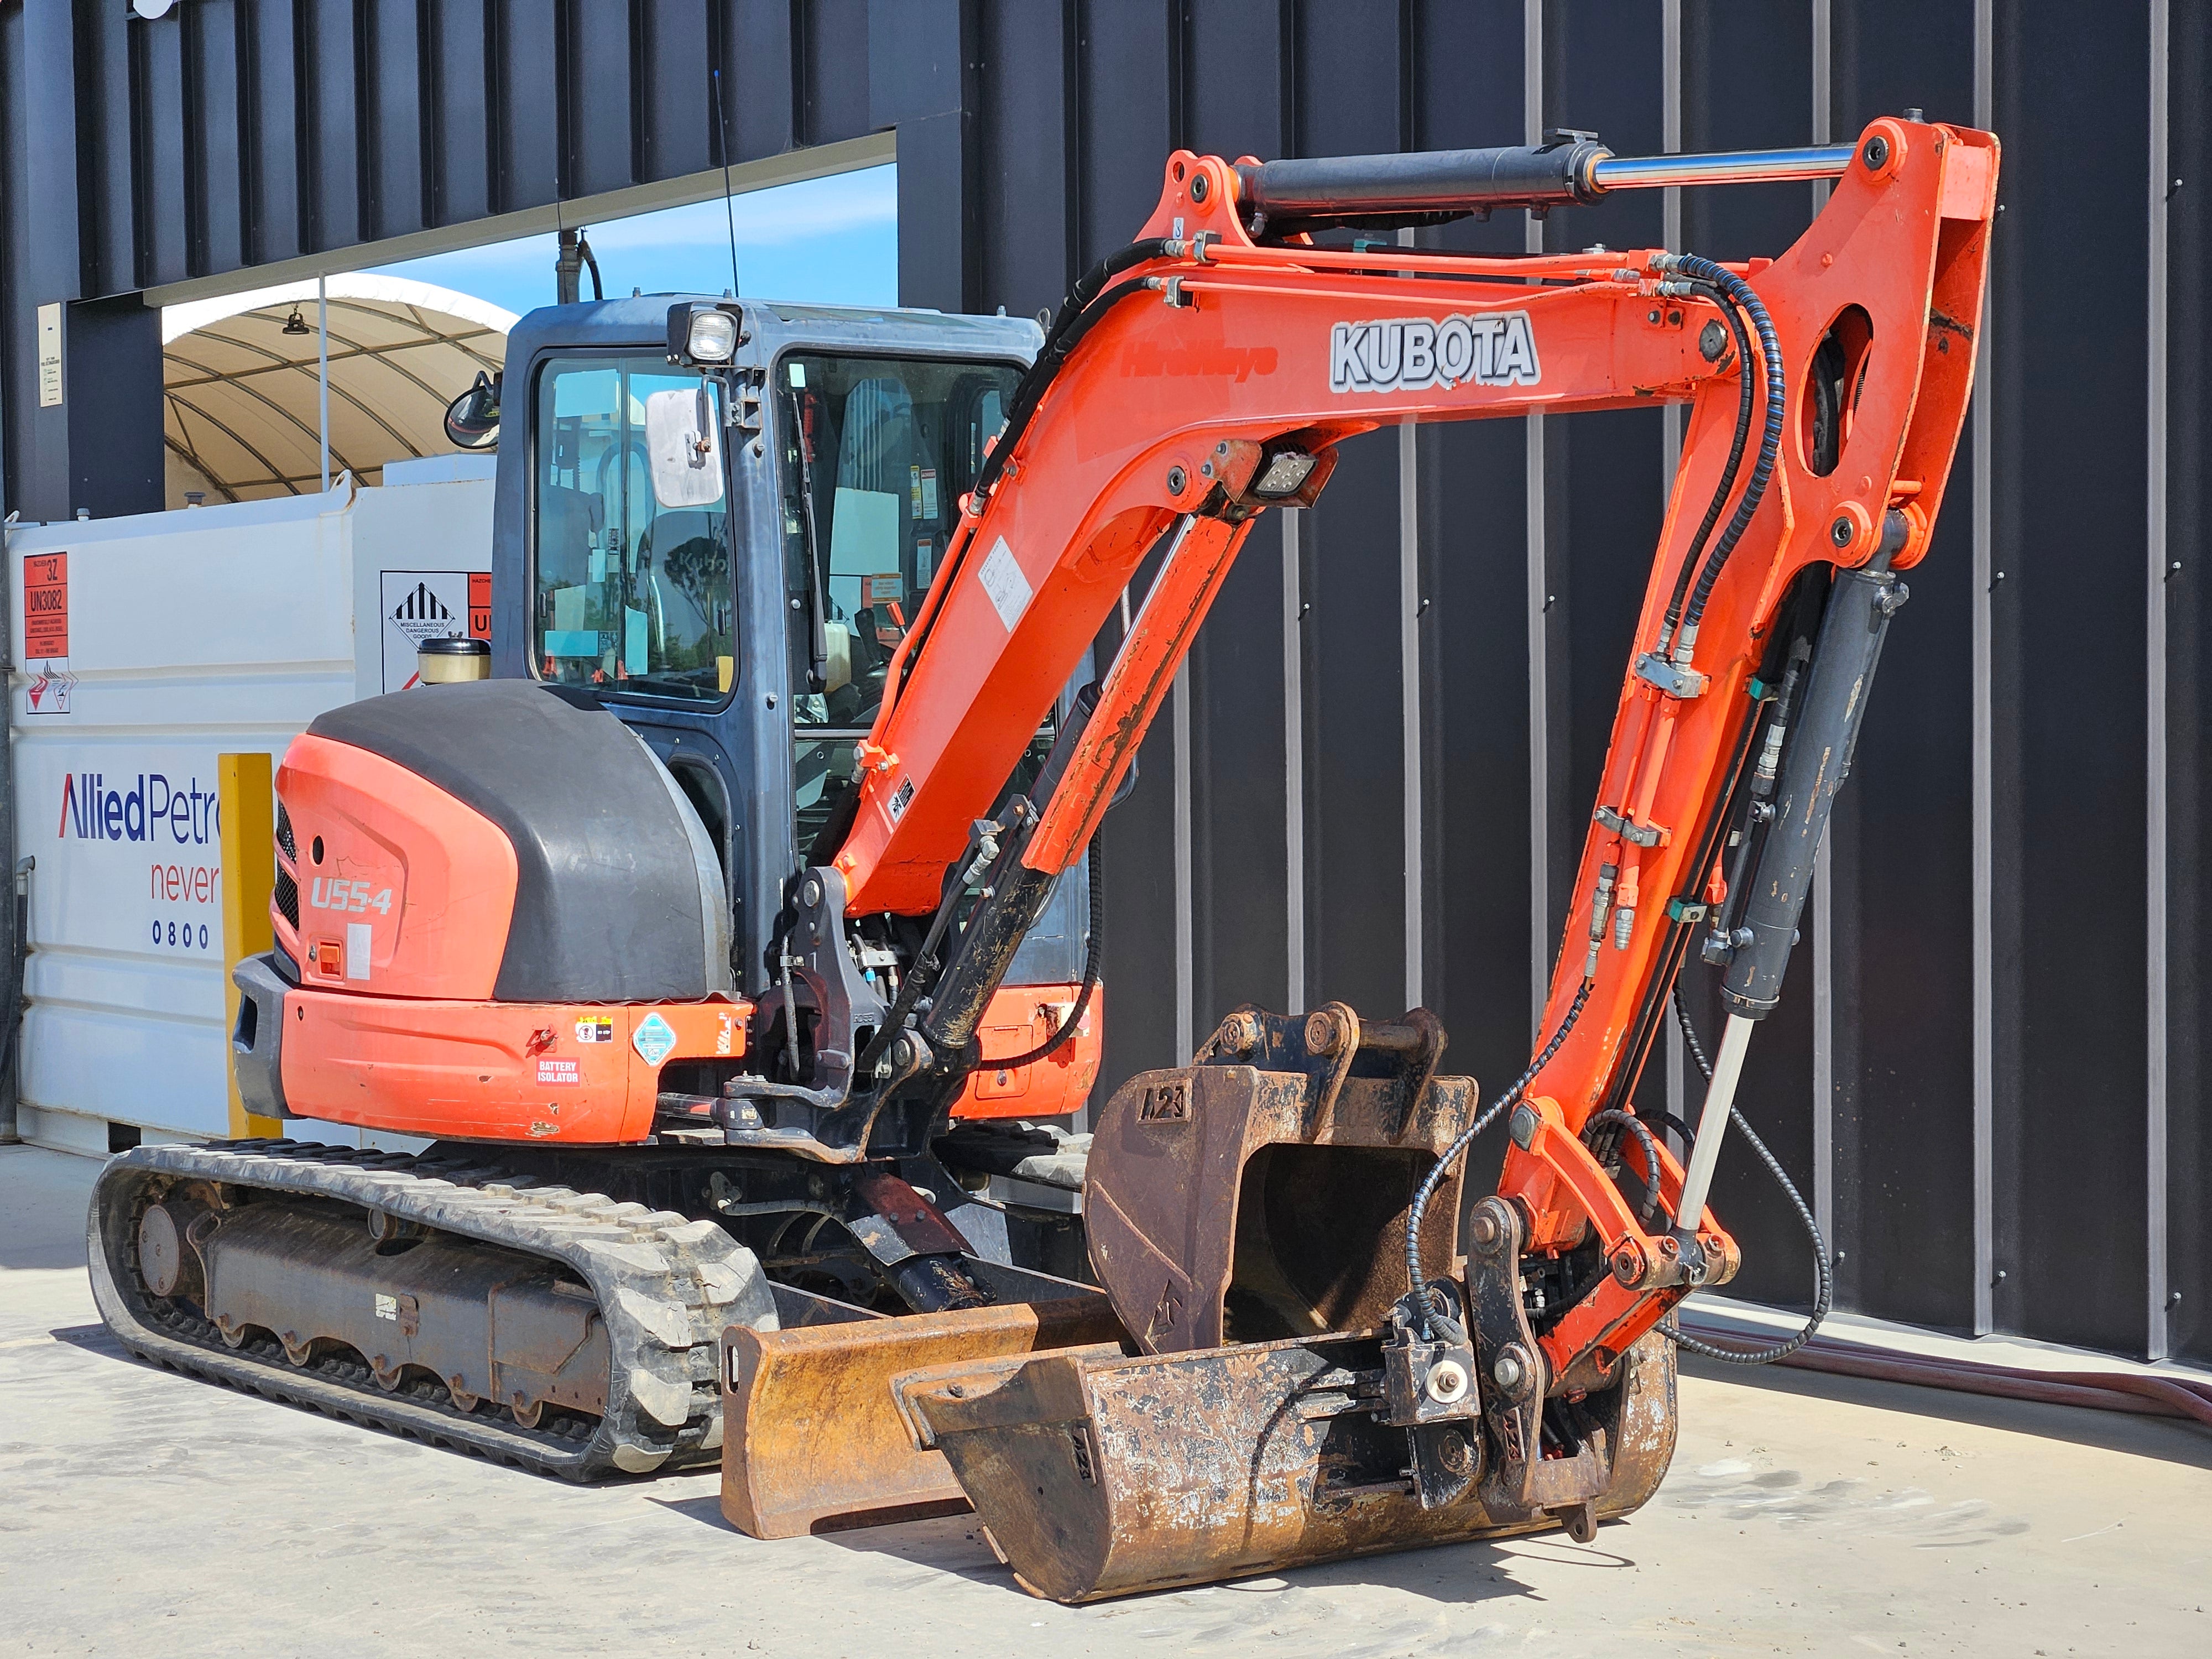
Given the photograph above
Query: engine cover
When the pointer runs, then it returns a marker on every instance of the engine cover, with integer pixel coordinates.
(496, 841)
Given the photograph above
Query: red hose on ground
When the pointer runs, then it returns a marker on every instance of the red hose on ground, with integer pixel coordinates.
(2111, 1391)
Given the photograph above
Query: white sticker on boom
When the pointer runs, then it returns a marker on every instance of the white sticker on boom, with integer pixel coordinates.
(357, 960)
(1003, 580)
(387, 1307)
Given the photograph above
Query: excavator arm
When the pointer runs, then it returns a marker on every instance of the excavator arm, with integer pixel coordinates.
(1246, 1210)
(1209, 371)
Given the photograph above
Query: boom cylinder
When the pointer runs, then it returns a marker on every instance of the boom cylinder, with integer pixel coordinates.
(1818, 759)
(1569, 169)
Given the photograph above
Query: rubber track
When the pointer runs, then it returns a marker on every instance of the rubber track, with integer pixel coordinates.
(666, 1288)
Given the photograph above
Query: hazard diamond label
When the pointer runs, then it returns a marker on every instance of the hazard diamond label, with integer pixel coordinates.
(653, 1039)
(419, 605)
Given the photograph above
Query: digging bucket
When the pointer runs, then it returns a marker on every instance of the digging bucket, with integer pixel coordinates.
(1247, 1216)
(1096, 1475)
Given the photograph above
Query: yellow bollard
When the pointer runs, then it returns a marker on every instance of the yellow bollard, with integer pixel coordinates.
(246, 835)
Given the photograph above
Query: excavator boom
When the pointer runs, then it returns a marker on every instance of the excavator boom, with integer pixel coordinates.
(1208, 371)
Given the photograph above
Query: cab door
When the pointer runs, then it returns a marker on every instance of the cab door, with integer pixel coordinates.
(630, 600)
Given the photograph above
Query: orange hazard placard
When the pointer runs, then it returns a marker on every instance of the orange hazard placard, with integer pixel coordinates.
(480, 604)
(46, 606)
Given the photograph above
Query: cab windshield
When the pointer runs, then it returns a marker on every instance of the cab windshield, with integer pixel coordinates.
(877, 453)
(627, 596)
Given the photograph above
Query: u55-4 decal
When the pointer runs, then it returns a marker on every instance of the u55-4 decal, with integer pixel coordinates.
(354, 896)
(1404, 354)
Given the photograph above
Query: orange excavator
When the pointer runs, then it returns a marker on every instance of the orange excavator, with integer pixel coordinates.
(729, 942)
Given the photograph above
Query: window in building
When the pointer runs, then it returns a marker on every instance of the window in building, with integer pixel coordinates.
(627, 597)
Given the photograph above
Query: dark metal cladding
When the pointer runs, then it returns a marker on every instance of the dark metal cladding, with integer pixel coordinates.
(1085, 1470)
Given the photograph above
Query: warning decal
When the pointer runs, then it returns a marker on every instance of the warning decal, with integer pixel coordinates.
(428, 604)
(46, 606)
(653, 1039)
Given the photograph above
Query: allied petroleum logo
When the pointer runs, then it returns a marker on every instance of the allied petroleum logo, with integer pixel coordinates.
(147, 808)
(1405, 353)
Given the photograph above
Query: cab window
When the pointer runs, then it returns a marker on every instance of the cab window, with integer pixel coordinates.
(627, 597)
(876, 454)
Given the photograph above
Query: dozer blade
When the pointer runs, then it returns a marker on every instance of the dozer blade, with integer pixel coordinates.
(1099, 1475)
(1259, 1199)
(813, 1437)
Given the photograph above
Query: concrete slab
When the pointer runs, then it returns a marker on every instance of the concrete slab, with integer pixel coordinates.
(142, 1512)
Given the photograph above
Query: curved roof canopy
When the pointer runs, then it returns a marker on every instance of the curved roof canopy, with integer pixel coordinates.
(240, 378)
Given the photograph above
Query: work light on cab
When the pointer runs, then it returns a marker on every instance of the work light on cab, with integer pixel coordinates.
(701, 334)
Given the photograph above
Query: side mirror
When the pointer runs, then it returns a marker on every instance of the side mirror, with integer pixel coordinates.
(684, 445)
(473, 418)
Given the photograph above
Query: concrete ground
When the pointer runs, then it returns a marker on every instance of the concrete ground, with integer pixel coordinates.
(143, 1513)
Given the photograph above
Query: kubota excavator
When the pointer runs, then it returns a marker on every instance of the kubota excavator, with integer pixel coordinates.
(732, 938)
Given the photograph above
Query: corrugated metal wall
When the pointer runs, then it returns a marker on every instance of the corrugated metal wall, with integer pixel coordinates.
(1374, 776)
(1986, 1064)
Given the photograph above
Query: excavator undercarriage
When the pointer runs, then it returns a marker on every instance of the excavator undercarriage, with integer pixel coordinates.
(729, 1164)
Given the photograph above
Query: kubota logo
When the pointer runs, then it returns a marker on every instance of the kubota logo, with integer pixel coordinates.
(1404, 354)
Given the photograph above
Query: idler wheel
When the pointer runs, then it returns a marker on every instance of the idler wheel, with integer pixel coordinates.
(160, 1251)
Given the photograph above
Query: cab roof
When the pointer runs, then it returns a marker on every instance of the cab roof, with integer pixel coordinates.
(772, 327)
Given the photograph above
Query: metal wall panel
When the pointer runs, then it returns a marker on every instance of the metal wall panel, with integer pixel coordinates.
(393, 50)
(602, 97)
(211, 123)
(2006, 1032)
(1024, 198)
(2071, 834)
(275, 184)
(457, 81)
(2188, 585)
(1904, 855)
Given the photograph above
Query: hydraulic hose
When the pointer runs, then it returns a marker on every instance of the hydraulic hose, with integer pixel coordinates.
(1416, 1286)
(1629, 1123)
(1727, 486)
(1824, 1280)
(1096, 867)
(1077, 313)
(1703, 270)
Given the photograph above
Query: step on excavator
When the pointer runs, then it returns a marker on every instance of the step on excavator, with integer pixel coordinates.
(732, 931)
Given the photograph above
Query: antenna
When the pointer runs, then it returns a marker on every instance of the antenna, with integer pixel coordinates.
(729, 213)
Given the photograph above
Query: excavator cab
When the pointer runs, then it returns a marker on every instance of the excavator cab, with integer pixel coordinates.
(742, 625)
